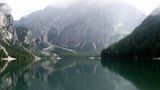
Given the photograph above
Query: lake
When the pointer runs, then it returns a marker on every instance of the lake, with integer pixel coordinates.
(80, 74)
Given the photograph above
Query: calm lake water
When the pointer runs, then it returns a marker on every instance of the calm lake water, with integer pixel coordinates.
(80, 74)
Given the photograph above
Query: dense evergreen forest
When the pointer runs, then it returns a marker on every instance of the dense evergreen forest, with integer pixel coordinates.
(143, 42)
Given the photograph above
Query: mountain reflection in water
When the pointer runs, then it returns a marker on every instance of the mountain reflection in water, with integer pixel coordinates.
(67, 74)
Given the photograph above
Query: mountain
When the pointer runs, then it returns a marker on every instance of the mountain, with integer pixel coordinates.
(25, 38)
(6, 24)
(83, 26)
(143, 42)
(9, 47)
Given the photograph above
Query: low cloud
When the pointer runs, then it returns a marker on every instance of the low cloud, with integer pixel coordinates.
(24, 7)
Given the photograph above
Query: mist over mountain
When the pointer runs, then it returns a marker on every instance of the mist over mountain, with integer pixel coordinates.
(143, 42)
(6, 23)
(83, 25)
(59, 46)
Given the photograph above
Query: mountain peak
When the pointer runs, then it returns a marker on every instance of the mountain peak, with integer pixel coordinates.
(83, 25)
(4, 8)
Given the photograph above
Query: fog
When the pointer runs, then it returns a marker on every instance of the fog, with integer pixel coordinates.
(24, 7)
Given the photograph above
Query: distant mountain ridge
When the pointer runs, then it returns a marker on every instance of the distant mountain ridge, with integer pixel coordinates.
(83, 26)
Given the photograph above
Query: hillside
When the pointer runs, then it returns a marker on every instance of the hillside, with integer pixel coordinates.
(143, 42)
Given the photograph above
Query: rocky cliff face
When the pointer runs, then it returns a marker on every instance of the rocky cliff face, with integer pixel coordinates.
(25, 37)
(83, 26)
(7, 31)
(9, 48)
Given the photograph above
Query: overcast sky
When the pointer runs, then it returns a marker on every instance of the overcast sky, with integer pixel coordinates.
(24, 7)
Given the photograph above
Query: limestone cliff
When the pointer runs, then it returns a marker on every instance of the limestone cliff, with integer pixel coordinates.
(9, 48)
(7, 31)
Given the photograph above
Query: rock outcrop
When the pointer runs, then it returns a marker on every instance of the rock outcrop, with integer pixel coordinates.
(9, 47)
(7, 31)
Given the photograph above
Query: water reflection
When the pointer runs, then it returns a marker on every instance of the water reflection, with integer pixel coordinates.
(67, 74)
(144, 74)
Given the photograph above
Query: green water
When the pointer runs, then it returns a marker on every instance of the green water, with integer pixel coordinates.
(80, 74)
(145, 75)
